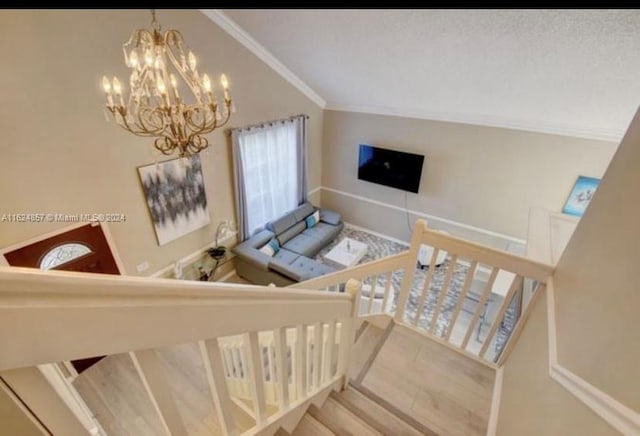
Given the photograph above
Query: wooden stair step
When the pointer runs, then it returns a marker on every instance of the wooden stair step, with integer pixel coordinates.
(309, 426)
(374, 414)
(340, 420)
(366, 347)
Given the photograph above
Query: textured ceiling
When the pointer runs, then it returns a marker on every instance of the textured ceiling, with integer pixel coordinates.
(570, 72)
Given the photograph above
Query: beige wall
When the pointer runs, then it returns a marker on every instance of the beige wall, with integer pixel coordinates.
(481, 176)
(15, 419)
(598, 298)
(58, 154)
(532, 404)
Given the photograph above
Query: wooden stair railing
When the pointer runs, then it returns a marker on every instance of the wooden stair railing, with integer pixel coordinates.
(438, 307)
(57, 316)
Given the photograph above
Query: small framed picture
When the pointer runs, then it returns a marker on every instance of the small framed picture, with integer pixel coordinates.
(580, 196)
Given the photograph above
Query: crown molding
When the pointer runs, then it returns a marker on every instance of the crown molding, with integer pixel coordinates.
(487, 121)
(240, 35)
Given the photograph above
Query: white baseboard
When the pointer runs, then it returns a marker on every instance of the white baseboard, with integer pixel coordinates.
(380, 235)
(193, 257)
(225, 277)
(428, 217)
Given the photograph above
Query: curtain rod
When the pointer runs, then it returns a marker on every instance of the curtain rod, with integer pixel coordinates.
(265, 123)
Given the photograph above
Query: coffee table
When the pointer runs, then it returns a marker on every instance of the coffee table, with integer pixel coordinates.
(347, 253)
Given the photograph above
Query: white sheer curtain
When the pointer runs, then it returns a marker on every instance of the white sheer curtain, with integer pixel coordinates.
(270, 172)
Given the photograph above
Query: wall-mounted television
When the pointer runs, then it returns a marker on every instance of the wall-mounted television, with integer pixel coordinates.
(396, 169)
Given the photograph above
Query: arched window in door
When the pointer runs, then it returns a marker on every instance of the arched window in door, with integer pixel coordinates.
(63, 254)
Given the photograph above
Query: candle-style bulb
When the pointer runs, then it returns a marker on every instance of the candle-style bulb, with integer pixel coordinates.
(224, 81)
(206, 83)
(133, 59)
(117, 87)
(173, 80)
(192, 61)
(161, 86)
(148, 58)
(106, 85)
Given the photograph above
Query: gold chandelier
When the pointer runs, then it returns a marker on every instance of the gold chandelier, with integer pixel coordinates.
(157, 105)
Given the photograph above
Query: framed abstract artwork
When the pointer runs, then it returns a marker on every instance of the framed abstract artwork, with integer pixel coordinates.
(581, 195)
(175, 195)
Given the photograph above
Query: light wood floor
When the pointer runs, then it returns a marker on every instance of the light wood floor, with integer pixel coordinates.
(114, 392)
(441, 389)
(436, 387)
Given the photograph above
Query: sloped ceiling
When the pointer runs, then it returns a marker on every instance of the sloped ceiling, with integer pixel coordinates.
(560, 71)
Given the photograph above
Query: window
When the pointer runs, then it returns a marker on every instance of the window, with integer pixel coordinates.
(270, 173)
(63, 254)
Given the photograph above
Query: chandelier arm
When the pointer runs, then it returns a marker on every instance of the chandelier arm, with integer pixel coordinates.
(218, 125)
(193, 124)
(190, 82)
(150, 114)
(139, 129)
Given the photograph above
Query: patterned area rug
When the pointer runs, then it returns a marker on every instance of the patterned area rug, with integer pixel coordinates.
(379, 247)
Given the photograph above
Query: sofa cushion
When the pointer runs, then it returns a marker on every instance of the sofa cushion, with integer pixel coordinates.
(304, 245)
(291, 232)
(303, 211)
(293, 272)
(286, 256)
(311, 267)
(322, 231)
(281, 224)
(330, 217)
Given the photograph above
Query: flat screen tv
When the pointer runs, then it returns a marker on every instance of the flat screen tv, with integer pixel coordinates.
(396, 169)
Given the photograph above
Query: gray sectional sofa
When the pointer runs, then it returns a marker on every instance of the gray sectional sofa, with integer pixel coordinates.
(293, 262)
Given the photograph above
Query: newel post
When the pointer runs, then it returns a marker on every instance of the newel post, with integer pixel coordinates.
(410, 268)
(347, 330)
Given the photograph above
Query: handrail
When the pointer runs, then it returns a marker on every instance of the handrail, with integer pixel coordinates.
(504, 260)
(52, 316)
(436, 306)
(358, 272)
(21, 282)
(56, 315)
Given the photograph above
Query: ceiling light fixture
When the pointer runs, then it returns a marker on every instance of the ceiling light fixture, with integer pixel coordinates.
(157, 105)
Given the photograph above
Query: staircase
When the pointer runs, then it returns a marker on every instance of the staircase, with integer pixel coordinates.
(190, 358)
(352, 412)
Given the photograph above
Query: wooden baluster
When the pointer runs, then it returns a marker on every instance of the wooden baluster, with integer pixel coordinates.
(272, 363)
(318, 330)
(387, 287)
(463, 295)
(213, 364)
(301, 362)
(282, 384)
(517, 283)
(410, 269)
(256, 375)
(372, 294)
(479, 308)
(327, 372)
(515, 333)
(154, 379)
(246, 382)
(443, 293)
(347, 331)
(227, 354)
(426, 285)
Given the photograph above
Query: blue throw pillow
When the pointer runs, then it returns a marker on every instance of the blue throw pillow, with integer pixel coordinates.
(312, 219)
(275, 245)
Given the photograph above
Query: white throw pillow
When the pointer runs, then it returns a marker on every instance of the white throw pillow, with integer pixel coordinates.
(268, 250)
